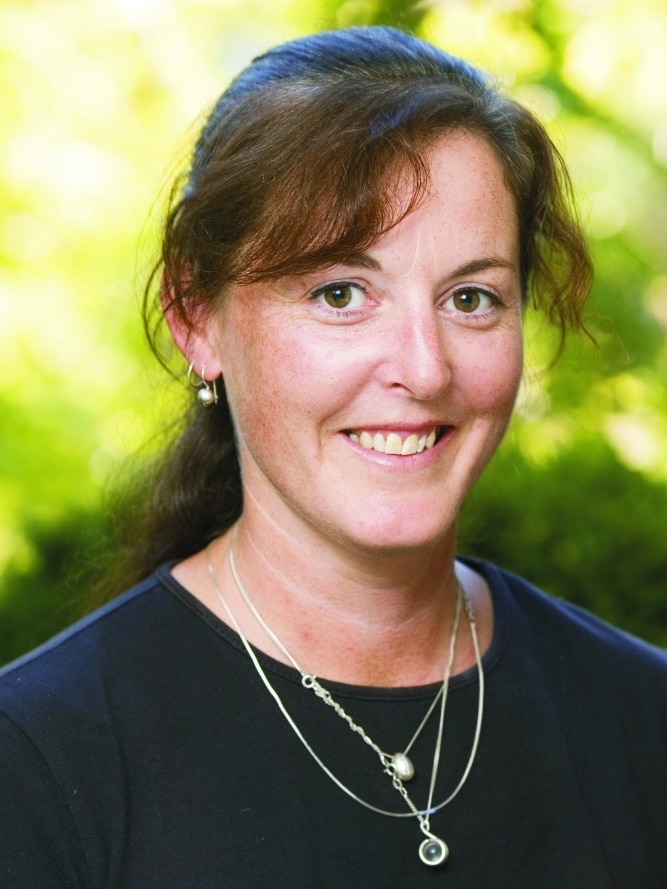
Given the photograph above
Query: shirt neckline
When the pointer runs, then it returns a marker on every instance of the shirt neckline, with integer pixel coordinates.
(468, 677)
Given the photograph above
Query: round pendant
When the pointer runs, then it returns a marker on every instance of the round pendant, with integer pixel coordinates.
(433, 851)
(403, 766)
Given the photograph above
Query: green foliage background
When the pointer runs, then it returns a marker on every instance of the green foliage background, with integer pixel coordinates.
(97, 94)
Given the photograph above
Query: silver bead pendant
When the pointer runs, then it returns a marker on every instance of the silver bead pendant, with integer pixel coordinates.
(403, 767)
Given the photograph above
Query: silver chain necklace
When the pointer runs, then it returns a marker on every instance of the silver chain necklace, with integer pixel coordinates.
(400, 761)
(432, 850)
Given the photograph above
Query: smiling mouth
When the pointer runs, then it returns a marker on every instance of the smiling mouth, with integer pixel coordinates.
(395, 443)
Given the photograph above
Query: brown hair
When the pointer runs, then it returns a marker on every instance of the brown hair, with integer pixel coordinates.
(293, 171)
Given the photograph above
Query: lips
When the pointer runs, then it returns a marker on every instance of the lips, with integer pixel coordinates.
(399, 443)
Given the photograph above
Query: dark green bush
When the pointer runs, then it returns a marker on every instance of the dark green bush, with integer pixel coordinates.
(586, 528)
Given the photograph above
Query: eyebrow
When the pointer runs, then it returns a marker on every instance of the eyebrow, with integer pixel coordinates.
(480, 265)
(364, 260)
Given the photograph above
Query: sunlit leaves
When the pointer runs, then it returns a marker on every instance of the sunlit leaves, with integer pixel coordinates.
(98, 97)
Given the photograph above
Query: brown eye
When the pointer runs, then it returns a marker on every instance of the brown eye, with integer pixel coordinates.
(467, 301)
(474, 301)
(340, 295)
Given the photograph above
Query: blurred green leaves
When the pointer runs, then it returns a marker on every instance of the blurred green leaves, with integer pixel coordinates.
(98, 100)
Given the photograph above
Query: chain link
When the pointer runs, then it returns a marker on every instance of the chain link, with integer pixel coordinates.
(310, 681)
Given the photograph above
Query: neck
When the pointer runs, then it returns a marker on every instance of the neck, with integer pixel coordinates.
(357, 617)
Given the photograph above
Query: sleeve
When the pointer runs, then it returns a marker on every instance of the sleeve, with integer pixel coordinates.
(39, 844)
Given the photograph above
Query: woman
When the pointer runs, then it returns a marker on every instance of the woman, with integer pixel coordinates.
(309, 688)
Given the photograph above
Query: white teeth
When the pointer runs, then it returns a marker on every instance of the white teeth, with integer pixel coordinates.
(366, 440)
(393, 443)
(410, 445)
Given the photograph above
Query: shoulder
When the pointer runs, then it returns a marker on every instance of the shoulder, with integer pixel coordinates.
(59, 709)
(84, 714)
(602, 690)
(570, 637)
(71, 669)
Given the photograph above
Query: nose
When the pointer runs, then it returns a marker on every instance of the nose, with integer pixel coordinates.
(420, 361)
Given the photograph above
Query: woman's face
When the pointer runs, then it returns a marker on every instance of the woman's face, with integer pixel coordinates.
(369, 396)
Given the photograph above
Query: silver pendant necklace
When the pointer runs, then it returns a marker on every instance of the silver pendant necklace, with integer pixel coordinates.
(432, 850)
(400, 761)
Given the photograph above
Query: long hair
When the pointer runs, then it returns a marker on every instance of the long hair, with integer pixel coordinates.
(295, 169)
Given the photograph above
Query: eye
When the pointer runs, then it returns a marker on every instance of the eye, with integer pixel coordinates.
(473, 300)
(340, 295)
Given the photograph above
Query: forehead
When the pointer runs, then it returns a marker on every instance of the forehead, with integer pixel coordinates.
(466, 200)
(461, 163)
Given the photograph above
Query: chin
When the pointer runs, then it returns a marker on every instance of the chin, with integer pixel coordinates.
(400, 534)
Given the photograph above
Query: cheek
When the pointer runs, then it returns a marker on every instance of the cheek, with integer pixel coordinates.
(499, 377)
(264, 379)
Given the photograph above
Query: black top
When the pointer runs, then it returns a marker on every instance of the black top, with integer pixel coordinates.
(140, 749)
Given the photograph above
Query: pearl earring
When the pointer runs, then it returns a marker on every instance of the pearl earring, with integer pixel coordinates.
(207, 392)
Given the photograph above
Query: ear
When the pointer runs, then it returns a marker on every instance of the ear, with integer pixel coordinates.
(197, 336)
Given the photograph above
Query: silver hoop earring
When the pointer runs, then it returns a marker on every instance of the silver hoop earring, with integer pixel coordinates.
(207, 392)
